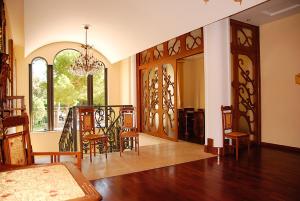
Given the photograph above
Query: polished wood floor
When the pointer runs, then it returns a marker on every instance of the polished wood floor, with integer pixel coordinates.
(267, 174)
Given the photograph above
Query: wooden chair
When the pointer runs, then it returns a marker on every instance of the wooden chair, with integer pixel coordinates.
(17, 147)
(128, 129)
(229, 133)
(87, 131)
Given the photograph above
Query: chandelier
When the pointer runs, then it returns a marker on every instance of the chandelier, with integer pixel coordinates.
(86, 63)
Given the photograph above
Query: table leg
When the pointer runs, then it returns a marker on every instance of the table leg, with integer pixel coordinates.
(237, 149)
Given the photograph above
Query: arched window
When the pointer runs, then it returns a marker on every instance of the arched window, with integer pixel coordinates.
(54, 89)
(39, 93)
(69, 89)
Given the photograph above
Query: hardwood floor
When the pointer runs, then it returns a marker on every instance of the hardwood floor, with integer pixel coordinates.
(267, 174)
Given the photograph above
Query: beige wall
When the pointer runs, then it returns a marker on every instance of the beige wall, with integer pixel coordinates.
(45, 141)
(191, 75)
(119, 78)
(280, 54)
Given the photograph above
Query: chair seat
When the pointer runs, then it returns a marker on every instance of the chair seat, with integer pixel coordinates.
(236, 134)
(93, 137)
(129, 134)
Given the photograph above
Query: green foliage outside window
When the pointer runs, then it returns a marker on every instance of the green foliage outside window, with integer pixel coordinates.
(69, 89)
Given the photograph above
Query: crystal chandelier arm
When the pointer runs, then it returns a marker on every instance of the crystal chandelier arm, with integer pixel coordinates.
(86, 64)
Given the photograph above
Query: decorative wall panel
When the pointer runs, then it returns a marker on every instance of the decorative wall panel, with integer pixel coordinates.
(145, 101)
(173, 46)
(158, 51)
(244, 37)
(153, 99)
(168, 92)
(145, 57)
(194, 39)
(246, 78)
(246, 94)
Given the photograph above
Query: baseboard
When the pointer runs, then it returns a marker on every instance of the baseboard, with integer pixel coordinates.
(209, 148)
(280, 147)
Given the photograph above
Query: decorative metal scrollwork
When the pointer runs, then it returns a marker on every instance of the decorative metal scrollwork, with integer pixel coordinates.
(168, 91)
(66, 142)
(107, 121)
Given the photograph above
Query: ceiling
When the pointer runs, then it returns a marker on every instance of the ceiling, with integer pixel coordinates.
(269, 11)
(119, 28)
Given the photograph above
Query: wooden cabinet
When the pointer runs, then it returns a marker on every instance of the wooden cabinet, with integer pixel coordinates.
(191, 125)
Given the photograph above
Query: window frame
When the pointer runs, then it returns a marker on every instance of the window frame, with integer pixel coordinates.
(30, 92)
(50, 90)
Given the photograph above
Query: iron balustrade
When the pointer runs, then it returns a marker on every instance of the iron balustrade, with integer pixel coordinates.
(107, 121)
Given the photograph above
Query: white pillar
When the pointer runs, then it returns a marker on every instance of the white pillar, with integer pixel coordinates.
(133, 95)
(217, 77)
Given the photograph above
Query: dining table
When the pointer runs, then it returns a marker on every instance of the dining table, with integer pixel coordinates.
(56, 181)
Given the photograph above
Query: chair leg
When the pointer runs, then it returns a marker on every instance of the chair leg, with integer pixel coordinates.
(94, 148)
(90, 151)
(237, 149)
(248, 145)
(121, 145)
(106, 147)
(138, 145)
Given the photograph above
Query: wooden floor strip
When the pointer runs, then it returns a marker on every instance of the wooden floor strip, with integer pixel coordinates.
(267, 174)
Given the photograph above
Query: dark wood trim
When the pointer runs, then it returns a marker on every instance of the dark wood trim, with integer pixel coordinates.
(50, 97)
(138, 94)
(280, 147)
(11, 65)
(90, 90)
(209, 148)
(258, 87)
(30, 94)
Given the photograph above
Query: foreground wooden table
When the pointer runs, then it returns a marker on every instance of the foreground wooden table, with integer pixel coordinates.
(56, 181)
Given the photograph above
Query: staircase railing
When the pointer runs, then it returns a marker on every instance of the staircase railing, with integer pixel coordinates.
(68, 140)
(107, 121)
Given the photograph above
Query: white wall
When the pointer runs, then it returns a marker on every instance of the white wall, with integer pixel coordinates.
(280, 96)
(217, 77)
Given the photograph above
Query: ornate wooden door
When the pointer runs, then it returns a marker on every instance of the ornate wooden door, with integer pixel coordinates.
(158, 87)
(157, 83)
(246, 78)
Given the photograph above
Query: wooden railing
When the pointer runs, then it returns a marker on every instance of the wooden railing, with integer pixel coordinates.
(12, 106)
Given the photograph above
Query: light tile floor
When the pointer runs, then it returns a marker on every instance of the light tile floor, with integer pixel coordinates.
(154, 153)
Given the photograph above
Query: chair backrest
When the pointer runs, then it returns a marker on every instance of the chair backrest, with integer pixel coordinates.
(86, 120)
(227, 118)
(16, 144)
(127, 118)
